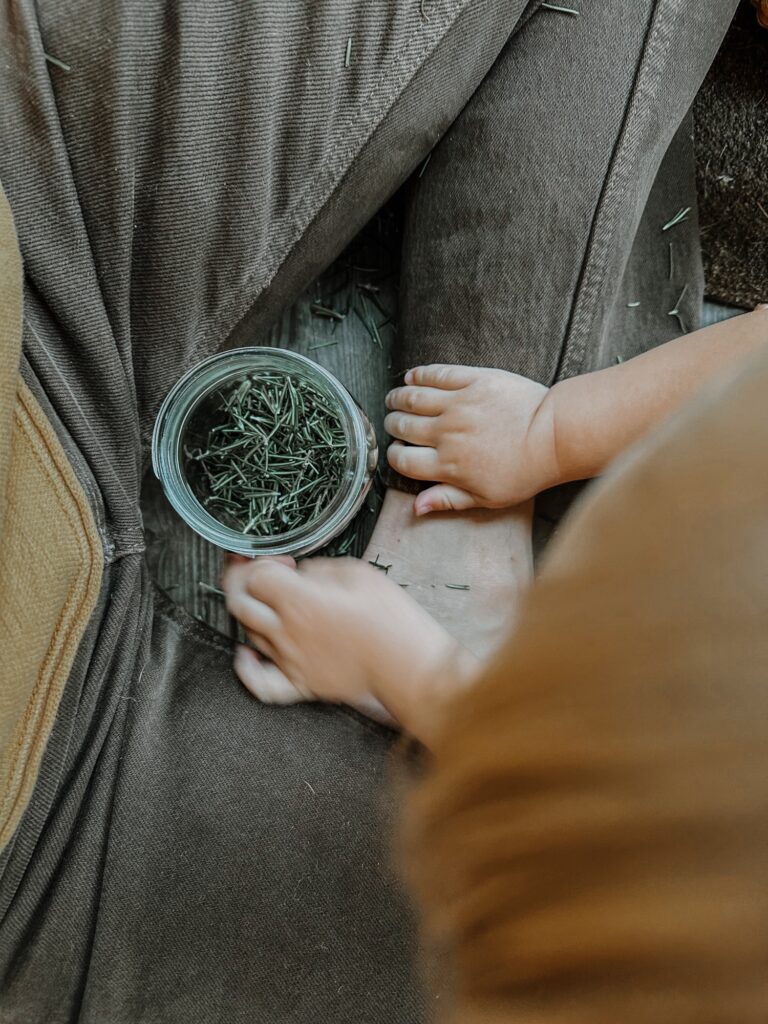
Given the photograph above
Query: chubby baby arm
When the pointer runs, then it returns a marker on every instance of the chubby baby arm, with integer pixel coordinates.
(493, 439)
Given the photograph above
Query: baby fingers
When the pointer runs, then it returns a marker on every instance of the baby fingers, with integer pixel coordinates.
(256, 616)
(418, 463)
(422, 401)
(271, 581)
(416, 429)
(265, 681)
(438, 375)
(444, 498)
(256, 592)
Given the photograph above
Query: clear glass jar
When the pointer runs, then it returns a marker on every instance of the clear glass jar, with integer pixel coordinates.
(185, 398)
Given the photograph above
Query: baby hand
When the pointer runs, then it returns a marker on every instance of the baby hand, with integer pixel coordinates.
(337, 630)
(486, 435)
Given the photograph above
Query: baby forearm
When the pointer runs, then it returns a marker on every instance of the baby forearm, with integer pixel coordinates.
(419, 699)
(599, 414)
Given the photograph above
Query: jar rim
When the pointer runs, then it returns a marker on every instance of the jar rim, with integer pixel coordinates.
(185, 397)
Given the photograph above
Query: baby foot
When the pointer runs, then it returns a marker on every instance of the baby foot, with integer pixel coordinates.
(468, 570)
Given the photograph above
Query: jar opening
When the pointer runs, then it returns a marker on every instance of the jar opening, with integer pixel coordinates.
(265, 387)
(266, 452)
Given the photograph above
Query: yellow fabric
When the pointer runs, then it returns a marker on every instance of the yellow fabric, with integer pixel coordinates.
(50, 559)
(596, 837)
(762, 12)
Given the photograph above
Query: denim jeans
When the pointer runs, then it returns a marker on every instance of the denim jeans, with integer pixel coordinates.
(186, 854)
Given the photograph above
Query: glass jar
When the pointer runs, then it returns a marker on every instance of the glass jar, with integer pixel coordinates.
(186, 397)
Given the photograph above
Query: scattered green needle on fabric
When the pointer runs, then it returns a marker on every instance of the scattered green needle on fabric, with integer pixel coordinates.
(676, 311)
(679, 217)
(562, 10)
(318, 309)
(324, 344)
(58, 63)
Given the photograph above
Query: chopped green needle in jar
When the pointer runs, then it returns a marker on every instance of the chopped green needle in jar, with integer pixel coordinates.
(266, 454)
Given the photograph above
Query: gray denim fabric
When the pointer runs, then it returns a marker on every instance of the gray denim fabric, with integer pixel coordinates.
(189, 855)
(558, 152)
(521, 260)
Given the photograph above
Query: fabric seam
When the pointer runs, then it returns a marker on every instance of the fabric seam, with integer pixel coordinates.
(604, 221)
(321, 187)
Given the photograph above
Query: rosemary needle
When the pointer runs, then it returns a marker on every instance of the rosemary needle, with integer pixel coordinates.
(266, 454)
(562, 10)
(676, 310)
(208, 588)
(324, 344)
(58, 63)
(318, 309)
(679, 217)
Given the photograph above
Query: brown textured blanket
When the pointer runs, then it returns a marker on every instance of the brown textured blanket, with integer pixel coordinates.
(731, 113)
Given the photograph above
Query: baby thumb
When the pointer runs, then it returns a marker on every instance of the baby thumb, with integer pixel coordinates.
(443, 498)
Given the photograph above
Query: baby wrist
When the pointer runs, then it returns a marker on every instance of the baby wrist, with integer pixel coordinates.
(543, 444)
(574, 414)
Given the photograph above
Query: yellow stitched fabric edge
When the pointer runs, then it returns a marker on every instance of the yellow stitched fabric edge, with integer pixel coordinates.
(51, 565)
